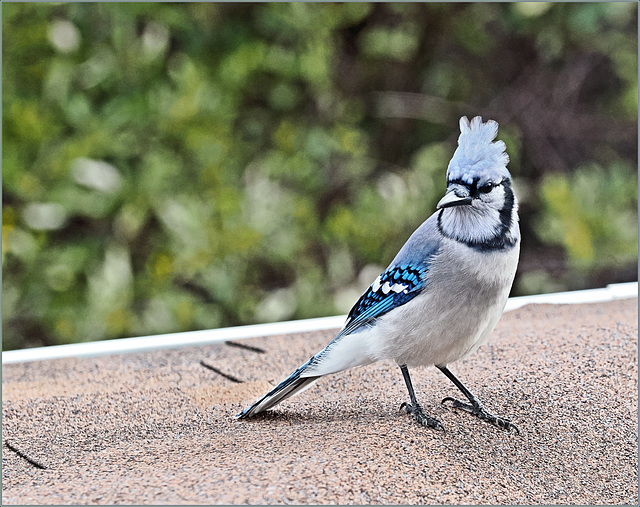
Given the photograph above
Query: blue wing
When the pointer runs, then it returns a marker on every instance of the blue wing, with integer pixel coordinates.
(393, 288)
(404, 279)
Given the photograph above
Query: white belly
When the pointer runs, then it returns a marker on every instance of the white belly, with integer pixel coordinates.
(460, 308)
(451, 318)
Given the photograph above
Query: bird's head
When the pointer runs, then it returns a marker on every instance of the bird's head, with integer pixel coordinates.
(477, 174)
(479, 203)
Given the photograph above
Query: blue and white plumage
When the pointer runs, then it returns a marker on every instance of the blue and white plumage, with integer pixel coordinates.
(445, 290)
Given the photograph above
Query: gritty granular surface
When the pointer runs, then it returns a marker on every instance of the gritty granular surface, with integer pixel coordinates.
(158, 428)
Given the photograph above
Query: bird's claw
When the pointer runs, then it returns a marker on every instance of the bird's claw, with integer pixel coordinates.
(476, 409)
(422, 418)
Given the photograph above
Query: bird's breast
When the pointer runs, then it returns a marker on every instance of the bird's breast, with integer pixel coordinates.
(463, 300)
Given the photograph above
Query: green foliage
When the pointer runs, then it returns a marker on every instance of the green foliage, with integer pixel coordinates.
(591, 215)
(173, 167)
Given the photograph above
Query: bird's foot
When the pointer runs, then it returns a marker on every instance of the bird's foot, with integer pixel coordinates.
(475, 408)
(422, 418)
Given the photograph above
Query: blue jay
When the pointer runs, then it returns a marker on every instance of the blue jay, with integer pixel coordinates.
(444, 292)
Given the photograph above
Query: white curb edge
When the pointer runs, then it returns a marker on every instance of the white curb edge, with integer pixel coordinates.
(207, 337)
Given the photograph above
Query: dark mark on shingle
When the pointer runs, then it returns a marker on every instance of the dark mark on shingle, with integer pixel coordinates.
(246, 347)
(30, 460)
(221, 373)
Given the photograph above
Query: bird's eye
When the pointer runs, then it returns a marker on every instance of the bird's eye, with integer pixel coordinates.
(486, 188)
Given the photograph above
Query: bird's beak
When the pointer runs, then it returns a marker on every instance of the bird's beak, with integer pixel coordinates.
(456, 195)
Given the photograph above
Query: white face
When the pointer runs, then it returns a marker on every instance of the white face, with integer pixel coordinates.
(491, 213)
(490, 194)
(483, 194)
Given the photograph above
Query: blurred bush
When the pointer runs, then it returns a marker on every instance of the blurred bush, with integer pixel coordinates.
(173, 167)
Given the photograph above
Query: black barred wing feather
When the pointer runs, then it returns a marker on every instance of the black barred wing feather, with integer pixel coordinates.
(393, 288)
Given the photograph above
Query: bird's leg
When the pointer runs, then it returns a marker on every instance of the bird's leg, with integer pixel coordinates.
(414, 407)
(474, 406)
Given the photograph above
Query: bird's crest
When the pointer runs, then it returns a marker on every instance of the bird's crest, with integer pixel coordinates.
(476, 155)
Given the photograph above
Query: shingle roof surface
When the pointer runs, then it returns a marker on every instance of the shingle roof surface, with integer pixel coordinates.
(158, 427)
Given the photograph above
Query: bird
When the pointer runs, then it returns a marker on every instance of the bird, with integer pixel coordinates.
(445, 290)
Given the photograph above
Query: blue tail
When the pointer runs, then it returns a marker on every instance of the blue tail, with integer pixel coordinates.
(292, 385)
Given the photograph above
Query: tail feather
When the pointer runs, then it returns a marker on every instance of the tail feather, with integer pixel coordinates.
(293, 384)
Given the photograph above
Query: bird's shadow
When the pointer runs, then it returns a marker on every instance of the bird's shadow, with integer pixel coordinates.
(327, 412)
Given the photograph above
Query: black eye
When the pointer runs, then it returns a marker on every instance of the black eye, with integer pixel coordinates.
(486, 188)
